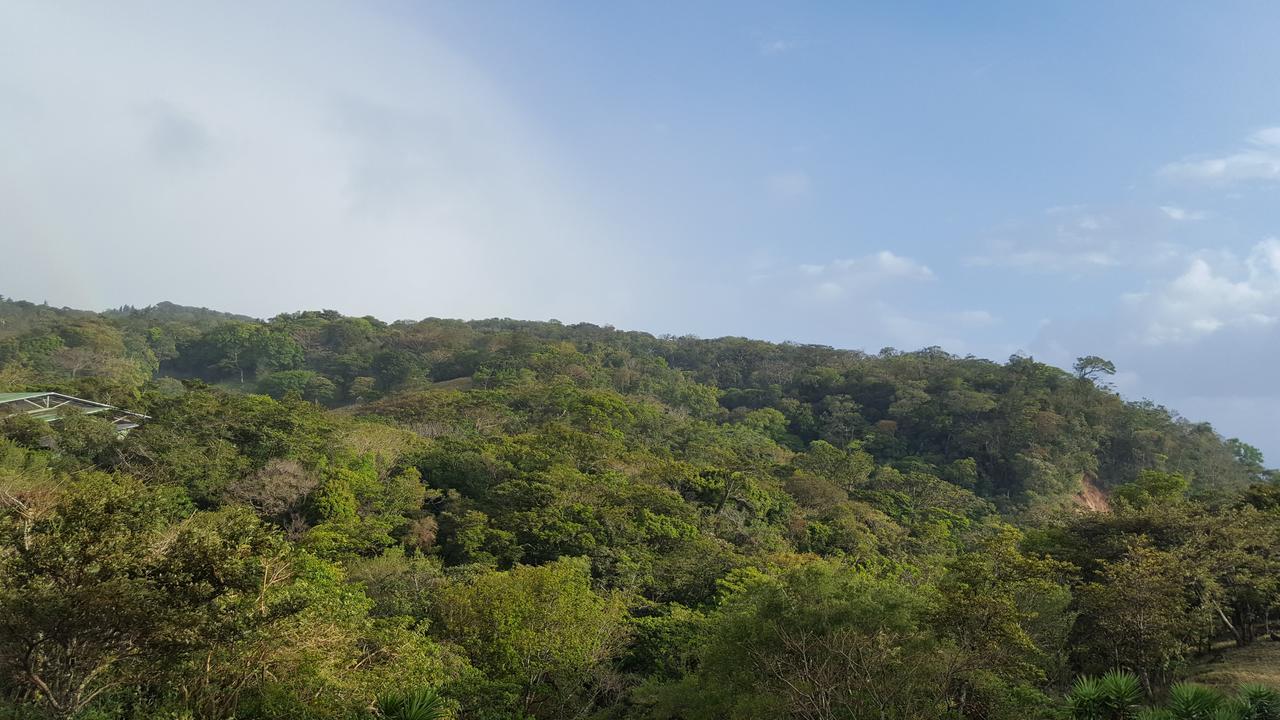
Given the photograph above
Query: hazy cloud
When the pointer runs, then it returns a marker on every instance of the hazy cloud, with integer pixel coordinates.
(775, 47)
(1258, 160)
(1080, 239)
(176, 139)
(974, 318)
(293, 155)
(835, 279)
(1182, 214)
(791, 184)
(384, 175)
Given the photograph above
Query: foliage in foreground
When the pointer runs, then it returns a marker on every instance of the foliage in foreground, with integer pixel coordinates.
(1118, 696)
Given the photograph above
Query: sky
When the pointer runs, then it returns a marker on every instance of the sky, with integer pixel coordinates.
(1051, 179)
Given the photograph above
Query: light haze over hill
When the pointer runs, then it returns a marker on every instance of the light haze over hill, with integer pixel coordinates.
(1058, 181)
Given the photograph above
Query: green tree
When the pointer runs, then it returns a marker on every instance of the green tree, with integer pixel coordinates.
(1006, 616)
(818, 641)
(1137, 616)
(90, 602)
(1152, 487)
(541, 631)
(1092, 367)
(306, 384)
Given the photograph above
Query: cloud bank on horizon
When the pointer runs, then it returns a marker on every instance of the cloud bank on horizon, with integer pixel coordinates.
(992, 181)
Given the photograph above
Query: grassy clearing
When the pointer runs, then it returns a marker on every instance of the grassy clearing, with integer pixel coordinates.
(462, 383)
(1231, 667)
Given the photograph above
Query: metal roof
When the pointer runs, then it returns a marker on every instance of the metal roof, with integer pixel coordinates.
(50, 396)
(10, 397)
(48, 406)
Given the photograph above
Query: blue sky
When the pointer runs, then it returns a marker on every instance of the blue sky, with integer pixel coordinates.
(1054, 179)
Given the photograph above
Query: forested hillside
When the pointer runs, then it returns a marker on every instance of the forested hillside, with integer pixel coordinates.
(336, 517)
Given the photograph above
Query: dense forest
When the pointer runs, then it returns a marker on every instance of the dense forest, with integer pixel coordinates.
(336, 517)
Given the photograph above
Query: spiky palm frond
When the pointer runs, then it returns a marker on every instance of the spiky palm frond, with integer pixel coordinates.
(1124, 693)
(1194, 702)
(1114, 696)
(1257, 702)
(1085, 701)
(421, 704)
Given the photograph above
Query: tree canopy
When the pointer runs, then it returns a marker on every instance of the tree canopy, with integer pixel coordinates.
(337, 517)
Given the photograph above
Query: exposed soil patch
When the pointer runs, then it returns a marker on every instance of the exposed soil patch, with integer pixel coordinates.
(1091, 497)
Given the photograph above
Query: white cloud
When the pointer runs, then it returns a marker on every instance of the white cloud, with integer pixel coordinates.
(1203, 341)
(1068, 238)
(791, 184)
(1182, 214)
(1089, 223)
(829, 290)
(890, 265)
(878, 265)
(858, 276)
(1258, 160)
(1209, 297)
(1079, 239)
(866, 301)
(972, 319)
(1266, 136)
(1046, 259)
(775, 47)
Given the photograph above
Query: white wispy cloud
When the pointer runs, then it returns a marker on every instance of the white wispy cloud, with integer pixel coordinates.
(1080, 239)
(775, 46)
(1182, 214)
(842, 277)
(867, 301)
(1257, 160)
(1047, 260)
(1066, 238)
(973, 319)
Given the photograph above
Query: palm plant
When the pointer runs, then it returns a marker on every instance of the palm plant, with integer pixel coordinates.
(1256, 702)
(1197, 702)
(1114, 696)
(420, 704)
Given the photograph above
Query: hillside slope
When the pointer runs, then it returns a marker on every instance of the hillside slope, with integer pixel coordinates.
(510, 520)
(1029, 430)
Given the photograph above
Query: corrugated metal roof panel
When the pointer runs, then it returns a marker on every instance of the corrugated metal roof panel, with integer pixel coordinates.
(10, 397)
(49, 406)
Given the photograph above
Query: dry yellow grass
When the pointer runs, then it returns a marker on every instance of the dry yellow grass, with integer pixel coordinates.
(1257, 664)
(462, 383)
